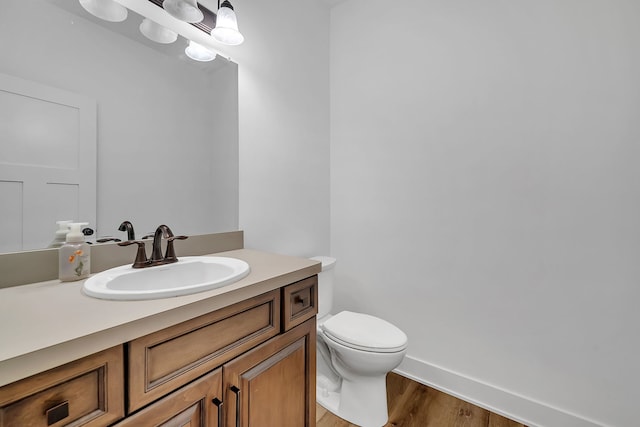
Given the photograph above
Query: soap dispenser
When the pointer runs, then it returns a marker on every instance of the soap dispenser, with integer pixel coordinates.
(74, 255)
(61, 234)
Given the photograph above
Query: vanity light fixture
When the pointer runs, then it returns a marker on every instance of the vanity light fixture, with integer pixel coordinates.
(197, 52)
(226, 29)
(184, 10)
(109, 10)
(156, 32)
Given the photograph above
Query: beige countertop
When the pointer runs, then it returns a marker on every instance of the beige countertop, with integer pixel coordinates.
(47, 324)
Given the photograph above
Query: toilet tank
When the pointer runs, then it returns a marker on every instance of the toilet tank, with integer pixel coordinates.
(325, 285)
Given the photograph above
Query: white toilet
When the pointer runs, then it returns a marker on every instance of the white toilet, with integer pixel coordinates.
(355, 353)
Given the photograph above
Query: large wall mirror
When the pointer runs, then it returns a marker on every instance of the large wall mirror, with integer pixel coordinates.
(165, 127)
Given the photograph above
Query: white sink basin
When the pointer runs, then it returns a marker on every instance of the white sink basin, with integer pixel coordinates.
(187, 276)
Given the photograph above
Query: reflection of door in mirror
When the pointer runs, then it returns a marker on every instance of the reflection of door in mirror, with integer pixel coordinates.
(47, 162)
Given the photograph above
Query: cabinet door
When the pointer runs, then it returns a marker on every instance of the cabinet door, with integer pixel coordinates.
(195, 405)
(274, 384)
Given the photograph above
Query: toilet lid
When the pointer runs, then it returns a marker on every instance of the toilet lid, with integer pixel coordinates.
(364, 332)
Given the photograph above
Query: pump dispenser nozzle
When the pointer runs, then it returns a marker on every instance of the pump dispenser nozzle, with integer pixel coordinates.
(75, 233)
(61, 233)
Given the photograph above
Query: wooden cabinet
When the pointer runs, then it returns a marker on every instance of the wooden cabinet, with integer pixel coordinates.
(271, 385)
(87, 392)
(197, 404)
(274, 384)
(299, 302)
(251, 364)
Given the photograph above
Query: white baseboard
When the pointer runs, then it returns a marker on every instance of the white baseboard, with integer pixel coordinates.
(518, 408)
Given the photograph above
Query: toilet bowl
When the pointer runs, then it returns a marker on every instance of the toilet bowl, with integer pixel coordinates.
(355, 353)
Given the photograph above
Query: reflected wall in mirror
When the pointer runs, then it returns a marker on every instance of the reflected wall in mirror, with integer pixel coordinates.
(167, 127)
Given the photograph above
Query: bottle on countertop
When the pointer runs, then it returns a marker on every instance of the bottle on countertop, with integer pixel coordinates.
(61, 234)
(74, 256)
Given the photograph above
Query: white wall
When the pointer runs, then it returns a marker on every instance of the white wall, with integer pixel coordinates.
(167, 130)
(485, 196)
(284, 125)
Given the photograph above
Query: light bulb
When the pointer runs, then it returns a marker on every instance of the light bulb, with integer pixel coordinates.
(226, 30)
(108, 10)
(156, 32)
(184, 10)
(197, 52)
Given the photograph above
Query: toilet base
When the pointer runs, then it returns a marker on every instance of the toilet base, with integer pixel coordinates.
(330, 400)
(363, 403)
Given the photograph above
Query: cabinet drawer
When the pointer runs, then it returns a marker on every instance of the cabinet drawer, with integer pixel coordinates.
(300, 302)
(168, 359)
(86, 392)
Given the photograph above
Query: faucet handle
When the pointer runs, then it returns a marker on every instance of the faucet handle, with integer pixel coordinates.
(108, 239)
(141, 256)
(170, 253)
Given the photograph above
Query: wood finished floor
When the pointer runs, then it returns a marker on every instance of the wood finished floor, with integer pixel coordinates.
(415, 405)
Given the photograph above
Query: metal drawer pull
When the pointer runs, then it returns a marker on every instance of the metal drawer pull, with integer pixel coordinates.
(218, 404)
(57, 413)
(236, 390)
(304, 301)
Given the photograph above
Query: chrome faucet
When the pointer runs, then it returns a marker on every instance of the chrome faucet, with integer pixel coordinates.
(156, 255)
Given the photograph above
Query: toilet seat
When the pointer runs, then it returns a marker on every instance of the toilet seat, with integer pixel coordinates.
(364, 332)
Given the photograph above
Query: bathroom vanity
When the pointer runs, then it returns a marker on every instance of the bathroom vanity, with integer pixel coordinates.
(243, 355)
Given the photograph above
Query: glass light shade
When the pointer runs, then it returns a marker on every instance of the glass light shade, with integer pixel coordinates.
(184, 10)
(226, 30)
(108, 10)
(156, 32)
(197, 52)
